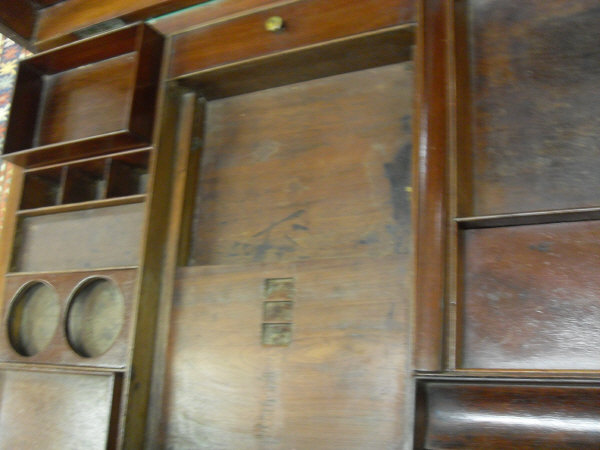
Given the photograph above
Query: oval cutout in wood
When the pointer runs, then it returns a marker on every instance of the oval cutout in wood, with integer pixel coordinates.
(95, 317)
(33, 318)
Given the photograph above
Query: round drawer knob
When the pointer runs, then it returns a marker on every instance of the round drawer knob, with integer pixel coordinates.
(274, 24)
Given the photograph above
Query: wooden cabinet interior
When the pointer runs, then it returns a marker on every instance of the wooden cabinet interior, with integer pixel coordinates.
(421, 193)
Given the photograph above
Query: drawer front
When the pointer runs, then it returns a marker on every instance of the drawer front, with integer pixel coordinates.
(305, 23)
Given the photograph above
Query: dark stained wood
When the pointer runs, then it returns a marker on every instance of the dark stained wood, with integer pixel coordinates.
(45, 3)
(185, 109)
(94, 238)
(313, 170)
(136, 396)
(86, 99)
(60, 23)
(55, 410)
(207, 12)
(306, 22)
(85, 182)
(361, 52)
(529, 218)
(507, 415)
(534, 68)
(17, 19)
(43, 188)
(531, 297)
(430, 171)
(58, 351)
(341, 383)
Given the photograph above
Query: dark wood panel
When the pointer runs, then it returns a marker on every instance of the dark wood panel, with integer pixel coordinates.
(341, 383)
(87, 101)
(55, 410)
(429, 173)
(306, 22)
(206, 12)
(507, 415)
(534, 69)
(95, 238)
(107, 321)
(532, 297)
(312, 170)
(57, 23)
(364, 51)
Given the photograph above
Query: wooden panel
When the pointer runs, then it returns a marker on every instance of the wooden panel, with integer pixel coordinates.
(18, 17)
(430, 172)
(306, 22)
(532, 297)
(368, 50)
(534, 70)
(104, 319)
(87, 101)
(210, 11)
(57, 22)
(95, 238)
(507, 415)
(318, 169)
(341, 383)
(206, 12)
(54, 410)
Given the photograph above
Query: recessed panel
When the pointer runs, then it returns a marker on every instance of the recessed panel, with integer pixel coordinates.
(55, 411)
(311, 170)
(531, 297)
(533, 72)
(33, 317)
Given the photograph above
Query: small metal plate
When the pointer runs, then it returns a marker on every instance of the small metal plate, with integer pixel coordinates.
(277, 311)
(279, 288)
(277, 334)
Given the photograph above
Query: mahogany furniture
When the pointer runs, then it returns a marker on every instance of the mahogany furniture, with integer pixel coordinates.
(303, 224)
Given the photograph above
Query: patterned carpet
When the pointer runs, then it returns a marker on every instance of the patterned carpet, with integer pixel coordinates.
(10, 54)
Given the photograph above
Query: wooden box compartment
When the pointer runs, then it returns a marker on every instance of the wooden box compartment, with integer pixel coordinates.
(506, 414)
(94, 182)
(78, 318)
(530, 297)
(92, 97)
(528, 113)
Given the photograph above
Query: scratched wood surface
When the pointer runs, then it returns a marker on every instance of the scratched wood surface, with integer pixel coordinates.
(531, 297)
(341, 383)
(313, 170)
(534, 69)
(55, 410)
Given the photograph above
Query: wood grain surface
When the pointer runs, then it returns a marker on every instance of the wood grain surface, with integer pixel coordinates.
(55, 411)
(80, 239)
(507, 415)
(341, 383)
(306, 22)
(313, 170)
(534, 69)
(532, 297)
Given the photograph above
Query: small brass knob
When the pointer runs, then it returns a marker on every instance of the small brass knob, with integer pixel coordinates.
(274, 24)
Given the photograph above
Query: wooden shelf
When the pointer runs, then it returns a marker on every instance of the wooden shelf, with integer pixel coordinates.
(140, 198)
(529, 218)
(93, 183)
(89, 98)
